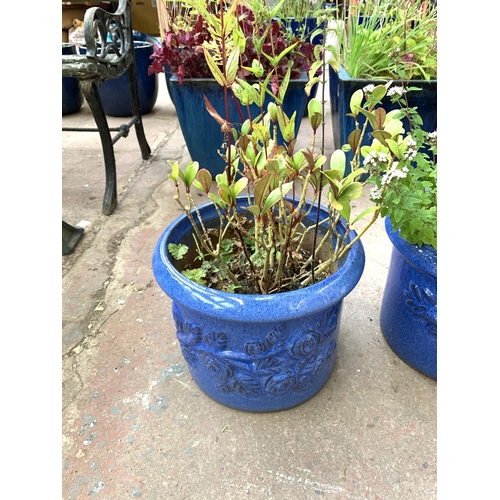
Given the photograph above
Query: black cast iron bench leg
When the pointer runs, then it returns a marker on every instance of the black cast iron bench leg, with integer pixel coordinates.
(134, 100)
(90, 91)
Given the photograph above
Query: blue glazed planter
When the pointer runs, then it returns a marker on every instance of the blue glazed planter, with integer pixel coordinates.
(256, 353)
(342, 86)
(115, 93)
(72, 97)
(408, 316)
(202, 133)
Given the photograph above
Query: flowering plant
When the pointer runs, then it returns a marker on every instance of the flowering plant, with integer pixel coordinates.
(276, 245)
(404, 171)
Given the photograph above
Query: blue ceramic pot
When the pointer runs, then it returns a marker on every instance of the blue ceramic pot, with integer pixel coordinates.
(255, 353)
(408, 316)
(202, 133)
(115, 93)
(72, 97)
(342, 86)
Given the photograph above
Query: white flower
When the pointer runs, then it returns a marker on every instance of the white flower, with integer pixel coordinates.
(376, 194)
(374, 158)
(411, 151)
(409, 154)
(396, 90)
(394, 172)
(369, 89)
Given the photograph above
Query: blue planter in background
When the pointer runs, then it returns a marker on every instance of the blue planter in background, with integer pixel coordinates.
(342, 86)
(408, 315)
(115, 94)
(255, 353)
(72, 97)
(202, 133)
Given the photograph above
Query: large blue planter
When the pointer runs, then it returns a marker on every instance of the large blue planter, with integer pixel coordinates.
(115, 93)
(202, 133)
(408, 316)
(256, 353)
(342, 86)
(72, 97)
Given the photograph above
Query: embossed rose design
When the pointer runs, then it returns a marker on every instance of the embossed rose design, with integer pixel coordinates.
(188, 353)
(305, 345)
(221, 370)
(281, 382)
(422, 303)
(188, 333)
(255, 347)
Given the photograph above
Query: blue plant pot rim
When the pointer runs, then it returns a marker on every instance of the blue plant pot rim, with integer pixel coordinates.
(344, 75)
(213, 302)
(424, 257)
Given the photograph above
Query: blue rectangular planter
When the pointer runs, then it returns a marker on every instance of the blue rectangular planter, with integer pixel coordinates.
(342, 86)
(202, 133)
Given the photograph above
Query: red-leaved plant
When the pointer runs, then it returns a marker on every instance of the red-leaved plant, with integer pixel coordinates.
(181, 49)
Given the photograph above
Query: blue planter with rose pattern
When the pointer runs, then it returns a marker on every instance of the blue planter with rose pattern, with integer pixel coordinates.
(256, 353)
(408, 315)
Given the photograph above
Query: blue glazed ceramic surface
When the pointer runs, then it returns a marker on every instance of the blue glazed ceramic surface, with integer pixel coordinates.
(342, 86)
(408, 316)
(202, 133)
(256, 353)
(72, 97)
(115, 93)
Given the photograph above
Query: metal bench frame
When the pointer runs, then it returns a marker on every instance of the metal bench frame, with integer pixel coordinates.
(109, 53)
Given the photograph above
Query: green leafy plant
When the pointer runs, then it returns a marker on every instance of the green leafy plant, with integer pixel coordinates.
(386, 39)
(298, 9)
(406, 187)
(276, 245)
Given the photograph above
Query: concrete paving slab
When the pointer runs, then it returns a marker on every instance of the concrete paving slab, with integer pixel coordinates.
(134, 423)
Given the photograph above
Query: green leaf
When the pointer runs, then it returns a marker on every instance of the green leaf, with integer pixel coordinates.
(239, 186)
(364, 213)
(381, 136)
(352, 191)
(175, 171)
(394, 127)
(216, 199)
(370, 116)
(190, 173)
(196, 275)
(214, 68)
(394, 147)
(177, 251)
(337, 162)
(355, 102)
(275, 195)
(225, 194)
(354, 138)
(232, 65)
(378, 93)
(314, 114)
(332, 176)
(204, 178)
